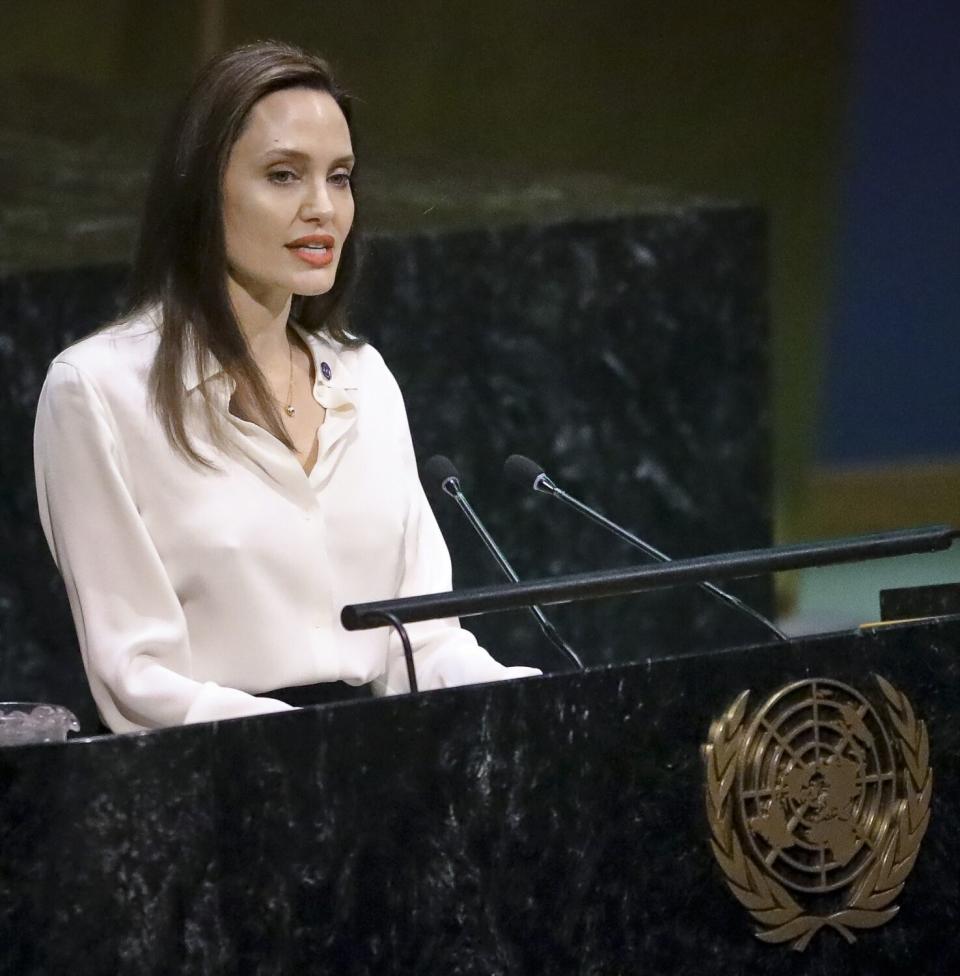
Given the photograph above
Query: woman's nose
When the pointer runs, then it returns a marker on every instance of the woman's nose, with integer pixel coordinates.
(317, 205)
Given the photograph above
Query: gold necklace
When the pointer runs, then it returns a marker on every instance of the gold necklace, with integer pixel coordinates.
(290, 409)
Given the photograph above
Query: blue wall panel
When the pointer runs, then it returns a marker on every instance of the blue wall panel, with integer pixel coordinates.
(893, 355)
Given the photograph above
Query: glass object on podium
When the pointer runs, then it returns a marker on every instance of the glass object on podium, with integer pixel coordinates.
(23, 723)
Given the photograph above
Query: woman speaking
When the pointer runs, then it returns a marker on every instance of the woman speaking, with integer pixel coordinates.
(226, 466)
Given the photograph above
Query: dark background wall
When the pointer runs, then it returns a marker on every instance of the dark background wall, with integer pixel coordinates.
(639, 379)
(740, 100)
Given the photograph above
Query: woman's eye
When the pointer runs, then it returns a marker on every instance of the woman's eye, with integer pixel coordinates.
(340, 179)
(282, 176)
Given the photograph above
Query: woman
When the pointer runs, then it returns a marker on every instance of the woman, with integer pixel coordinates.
(226, 467)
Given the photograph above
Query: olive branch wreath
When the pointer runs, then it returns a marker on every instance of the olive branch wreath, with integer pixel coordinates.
(869, 902)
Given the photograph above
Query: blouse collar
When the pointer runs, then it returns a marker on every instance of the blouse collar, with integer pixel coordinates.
(328, 365)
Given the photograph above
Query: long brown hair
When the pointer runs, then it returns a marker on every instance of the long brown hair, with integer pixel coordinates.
(180, 264)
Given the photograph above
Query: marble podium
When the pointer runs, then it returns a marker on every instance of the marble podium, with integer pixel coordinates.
(624, 350)
(551, 825)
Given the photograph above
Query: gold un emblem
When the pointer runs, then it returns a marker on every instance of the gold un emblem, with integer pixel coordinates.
(817, 806)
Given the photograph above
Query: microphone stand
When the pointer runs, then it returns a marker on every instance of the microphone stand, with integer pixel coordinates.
(451, 487)
(544, 484)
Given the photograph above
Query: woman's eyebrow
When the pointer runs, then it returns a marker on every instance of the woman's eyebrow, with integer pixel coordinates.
(288, 152)
(285, 152)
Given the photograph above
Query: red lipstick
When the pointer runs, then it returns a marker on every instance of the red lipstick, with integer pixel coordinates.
(315, 249)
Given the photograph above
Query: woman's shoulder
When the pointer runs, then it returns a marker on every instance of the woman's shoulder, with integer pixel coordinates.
(364, 359)
(362, 363)
(119, 351)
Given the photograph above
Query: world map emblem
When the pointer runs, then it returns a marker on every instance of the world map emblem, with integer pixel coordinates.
(817, 804)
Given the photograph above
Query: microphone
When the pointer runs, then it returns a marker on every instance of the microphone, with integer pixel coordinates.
(531, 475)
(441, 471)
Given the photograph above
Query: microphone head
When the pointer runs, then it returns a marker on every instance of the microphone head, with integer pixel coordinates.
(522, 470)
(437, 471)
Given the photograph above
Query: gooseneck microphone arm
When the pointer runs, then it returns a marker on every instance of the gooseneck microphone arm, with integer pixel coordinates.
(440, 470)
(530, 474)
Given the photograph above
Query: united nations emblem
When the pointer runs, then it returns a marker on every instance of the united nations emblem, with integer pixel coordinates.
(816, 810)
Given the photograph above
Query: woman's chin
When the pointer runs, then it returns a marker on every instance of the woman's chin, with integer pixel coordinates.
(313, 285)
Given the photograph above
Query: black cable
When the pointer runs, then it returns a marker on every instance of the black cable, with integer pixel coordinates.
(397, 625)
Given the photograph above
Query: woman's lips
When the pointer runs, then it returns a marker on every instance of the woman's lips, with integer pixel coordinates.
(316, 250)
(319, 257)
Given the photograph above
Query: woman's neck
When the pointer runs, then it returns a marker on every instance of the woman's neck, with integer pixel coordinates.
(263, 321)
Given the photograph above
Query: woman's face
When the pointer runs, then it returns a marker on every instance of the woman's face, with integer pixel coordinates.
(287, 201)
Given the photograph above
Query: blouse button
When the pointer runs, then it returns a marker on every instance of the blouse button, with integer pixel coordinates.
(326, 370)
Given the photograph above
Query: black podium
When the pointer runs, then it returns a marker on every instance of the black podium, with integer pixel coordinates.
(559, 824)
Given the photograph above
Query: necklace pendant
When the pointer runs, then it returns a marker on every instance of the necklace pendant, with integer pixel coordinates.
(291, 410)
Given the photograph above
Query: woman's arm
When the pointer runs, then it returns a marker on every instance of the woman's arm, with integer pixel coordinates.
(444, 653)
(130, 624)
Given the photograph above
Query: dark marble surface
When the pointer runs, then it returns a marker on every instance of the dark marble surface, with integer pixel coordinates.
(908, 602)
(548, 826)
(628, 357)
(628, 354)
(40, 314)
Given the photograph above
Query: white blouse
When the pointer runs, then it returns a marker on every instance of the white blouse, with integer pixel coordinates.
(193, 590)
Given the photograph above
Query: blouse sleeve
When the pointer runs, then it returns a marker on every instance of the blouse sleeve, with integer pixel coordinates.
(445, 654)
(130, 625)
